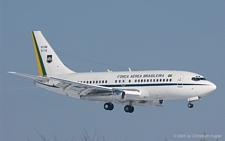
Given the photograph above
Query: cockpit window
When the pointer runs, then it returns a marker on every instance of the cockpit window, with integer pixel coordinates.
(197, 78)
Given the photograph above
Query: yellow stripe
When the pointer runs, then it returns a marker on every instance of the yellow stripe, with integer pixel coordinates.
(36, 55)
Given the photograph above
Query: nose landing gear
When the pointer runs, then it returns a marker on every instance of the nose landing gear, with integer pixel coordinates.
(190, 105)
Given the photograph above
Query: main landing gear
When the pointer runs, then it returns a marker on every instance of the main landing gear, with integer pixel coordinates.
(108, 106)
(129, 109)
(190, 105)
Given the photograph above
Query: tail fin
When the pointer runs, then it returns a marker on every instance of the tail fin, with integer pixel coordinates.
(48, 62)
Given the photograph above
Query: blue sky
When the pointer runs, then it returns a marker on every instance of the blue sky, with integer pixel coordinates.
(100, 35)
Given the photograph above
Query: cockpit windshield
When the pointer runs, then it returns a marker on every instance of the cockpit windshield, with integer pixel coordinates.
(197, 78)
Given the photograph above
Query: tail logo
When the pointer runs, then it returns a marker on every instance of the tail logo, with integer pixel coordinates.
(49, 58)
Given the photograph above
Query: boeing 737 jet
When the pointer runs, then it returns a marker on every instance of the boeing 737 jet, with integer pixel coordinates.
(131, 88)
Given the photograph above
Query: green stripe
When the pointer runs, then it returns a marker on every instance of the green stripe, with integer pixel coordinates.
(39, 56)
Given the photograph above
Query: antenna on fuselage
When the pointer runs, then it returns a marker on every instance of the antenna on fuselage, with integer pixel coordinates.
(129, 69)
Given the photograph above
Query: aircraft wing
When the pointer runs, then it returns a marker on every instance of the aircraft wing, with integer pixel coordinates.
(67, 84)
(81, 88)
(85, 91)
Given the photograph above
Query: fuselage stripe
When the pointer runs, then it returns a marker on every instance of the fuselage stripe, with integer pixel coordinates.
(143, 85)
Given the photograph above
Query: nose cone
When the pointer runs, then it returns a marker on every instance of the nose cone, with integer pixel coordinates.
(211, 87)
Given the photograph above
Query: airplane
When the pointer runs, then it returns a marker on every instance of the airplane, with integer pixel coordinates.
(130, 88)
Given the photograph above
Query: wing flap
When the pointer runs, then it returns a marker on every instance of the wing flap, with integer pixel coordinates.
(81, 85)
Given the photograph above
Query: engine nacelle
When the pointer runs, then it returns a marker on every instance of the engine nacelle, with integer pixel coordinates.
(122, 94)
(132, 94)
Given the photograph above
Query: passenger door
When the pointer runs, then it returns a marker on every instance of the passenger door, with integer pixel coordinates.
(180, 81)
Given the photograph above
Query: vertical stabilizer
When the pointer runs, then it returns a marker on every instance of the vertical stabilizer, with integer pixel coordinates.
(48, 62)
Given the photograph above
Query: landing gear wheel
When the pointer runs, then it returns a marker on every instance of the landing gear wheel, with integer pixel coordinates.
(132, 109)
(111, 107)
(190, 105)
(129, 109)
(108, 106)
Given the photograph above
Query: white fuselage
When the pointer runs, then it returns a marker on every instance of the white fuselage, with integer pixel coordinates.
(152, 85)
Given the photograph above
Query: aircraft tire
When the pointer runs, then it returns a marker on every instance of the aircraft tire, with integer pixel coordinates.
(132, 109)
(111, 106)
(129, 109)
(108, 106)
(190, 105)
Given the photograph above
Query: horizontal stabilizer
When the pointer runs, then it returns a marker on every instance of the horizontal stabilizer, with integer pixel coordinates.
(31, 76)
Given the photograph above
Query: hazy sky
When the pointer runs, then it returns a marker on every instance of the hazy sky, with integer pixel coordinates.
(111, 34)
